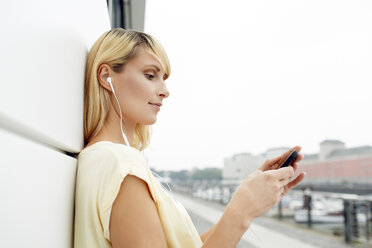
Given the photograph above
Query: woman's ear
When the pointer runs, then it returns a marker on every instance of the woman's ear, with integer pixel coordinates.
(103, 74)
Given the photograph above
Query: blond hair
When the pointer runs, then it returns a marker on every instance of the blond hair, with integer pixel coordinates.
(115, 48)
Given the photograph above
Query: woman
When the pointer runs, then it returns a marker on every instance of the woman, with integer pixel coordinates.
(118, 201)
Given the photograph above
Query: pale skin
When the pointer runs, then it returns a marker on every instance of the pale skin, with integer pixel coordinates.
(139, 87)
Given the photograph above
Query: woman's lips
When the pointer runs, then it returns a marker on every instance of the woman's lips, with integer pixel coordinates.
(156, 105)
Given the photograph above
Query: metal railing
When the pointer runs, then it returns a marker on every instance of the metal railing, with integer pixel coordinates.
(355, 215)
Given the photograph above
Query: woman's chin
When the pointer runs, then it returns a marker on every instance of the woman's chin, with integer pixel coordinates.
(149, 121)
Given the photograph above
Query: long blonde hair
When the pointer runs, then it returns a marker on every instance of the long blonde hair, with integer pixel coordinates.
(115, 48)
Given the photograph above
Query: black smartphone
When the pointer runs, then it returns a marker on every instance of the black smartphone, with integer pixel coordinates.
(289, 159)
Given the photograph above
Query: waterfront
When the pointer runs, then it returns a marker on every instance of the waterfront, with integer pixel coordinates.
(282, 233)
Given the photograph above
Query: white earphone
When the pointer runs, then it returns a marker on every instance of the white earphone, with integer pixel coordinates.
(109, 80)
(121, 115)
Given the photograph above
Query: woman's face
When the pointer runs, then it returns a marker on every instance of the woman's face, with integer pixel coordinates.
(140, 88)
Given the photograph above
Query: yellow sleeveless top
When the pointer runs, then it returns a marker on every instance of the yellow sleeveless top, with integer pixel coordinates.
(101, 169)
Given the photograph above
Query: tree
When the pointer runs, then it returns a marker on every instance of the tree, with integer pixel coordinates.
(182, 175)
(207, 174)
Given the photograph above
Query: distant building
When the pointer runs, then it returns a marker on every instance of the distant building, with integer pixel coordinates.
(333, 165)
(337, 165)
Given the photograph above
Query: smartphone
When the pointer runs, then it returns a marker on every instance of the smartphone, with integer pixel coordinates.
(289, 159)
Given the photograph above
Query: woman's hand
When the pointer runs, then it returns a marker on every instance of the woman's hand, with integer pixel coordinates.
(259, 192)
(273, 164)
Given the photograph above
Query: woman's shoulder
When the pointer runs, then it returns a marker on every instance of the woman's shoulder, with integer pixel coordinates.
(108, 161)
(107, 149)
(106, 145)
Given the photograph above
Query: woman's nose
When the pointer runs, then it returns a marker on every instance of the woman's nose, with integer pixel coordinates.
(164, 92)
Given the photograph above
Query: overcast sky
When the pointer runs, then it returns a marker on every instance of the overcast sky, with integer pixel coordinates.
(248, 76)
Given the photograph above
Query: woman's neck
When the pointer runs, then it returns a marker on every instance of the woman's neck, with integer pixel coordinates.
(111, 130)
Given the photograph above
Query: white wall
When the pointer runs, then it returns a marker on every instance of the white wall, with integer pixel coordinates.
(37, 194)
(43, 49)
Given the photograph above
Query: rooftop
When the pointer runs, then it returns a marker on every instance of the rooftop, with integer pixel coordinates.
(361, 150)
(331, 142)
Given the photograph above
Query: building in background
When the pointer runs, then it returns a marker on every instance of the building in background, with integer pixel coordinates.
(335, 167)
(338, 166)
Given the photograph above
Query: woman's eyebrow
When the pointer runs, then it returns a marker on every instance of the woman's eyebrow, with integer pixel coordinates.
(155, 66)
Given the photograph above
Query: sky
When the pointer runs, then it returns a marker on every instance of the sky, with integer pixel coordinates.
(248, 76)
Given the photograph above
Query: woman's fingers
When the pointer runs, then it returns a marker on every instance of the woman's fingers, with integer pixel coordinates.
(269, 164)
(275, 163)
(297, 148)
(284, 182)
(284, 191)
(285, 155)
(283, 173)
(287, 185)
(295, 166)
(296, 181)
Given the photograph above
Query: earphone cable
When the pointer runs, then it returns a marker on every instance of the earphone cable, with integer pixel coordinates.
(121, 118)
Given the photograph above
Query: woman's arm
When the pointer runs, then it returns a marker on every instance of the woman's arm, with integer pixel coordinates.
(134, 220)
(227, 232)
(134, 211)
(206, 234)
(257, 194)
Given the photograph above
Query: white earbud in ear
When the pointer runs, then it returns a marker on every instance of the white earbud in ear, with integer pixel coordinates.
(109, 80)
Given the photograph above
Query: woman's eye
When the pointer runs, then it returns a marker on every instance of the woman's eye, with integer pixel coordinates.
(149, 76)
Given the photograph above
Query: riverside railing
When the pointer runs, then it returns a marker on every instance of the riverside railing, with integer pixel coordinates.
(355, 213)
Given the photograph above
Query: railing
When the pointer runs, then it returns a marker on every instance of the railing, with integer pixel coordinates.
(354, 215)
(357, 212)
